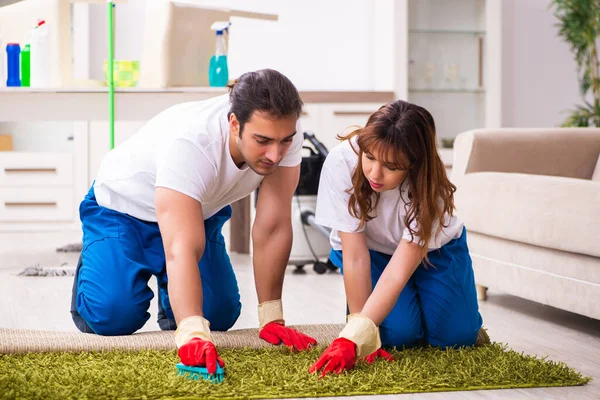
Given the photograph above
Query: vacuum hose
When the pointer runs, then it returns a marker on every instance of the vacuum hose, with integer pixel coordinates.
(308, 218)
(315, 142)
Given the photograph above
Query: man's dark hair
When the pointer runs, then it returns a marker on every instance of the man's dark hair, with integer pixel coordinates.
(266, 91)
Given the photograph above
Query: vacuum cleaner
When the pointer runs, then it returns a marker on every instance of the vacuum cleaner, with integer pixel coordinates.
(311, 241)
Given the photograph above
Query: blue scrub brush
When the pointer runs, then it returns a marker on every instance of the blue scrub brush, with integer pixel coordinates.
(196, 373)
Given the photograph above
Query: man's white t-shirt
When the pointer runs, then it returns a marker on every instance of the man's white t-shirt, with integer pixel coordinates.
(383, 232)
(184, 148)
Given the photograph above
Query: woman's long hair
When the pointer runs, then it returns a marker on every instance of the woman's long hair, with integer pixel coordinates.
(403, 134)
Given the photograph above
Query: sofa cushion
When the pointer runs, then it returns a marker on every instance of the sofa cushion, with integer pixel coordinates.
(554, 212)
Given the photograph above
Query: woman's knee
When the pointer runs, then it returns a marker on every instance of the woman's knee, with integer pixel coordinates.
(400, 335)
(453, 335)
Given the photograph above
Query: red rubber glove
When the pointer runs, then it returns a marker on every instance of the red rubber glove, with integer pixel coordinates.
(339, 356)
(275, 333)
(200, 353)
(378, 353)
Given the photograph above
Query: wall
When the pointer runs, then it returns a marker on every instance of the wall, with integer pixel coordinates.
(539, 81)
(129, 30)
(335, 48)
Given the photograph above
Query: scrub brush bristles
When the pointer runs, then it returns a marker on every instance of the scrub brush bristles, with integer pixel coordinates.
(196, 373)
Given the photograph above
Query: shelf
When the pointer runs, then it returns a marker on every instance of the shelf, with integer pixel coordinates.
(440, 90)
(445, 32)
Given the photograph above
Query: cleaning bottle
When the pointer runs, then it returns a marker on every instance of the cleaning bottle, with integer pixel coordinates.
(25, 65)
(40, 69)
(218, 72)
(13, 53)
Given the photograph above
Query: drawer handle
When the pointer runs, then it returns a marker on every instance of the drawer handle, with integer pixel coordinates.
(17, 170)
(29, 204)
(353, 113)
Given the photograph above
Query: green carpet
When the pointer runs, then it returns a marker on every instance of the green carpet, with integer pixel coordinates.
(268, 373)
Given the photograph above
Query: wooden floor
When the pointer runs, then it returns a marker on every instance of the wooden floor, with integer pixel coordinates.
(43, 303)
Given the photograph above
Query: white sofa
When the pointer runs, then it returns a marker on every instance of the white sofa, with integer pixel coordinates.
(530, 200)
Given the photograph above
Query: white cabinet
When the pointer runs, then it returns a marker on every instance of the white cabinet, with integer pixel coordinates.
(44, 178)
(448, 60)
(18, 169)
(37, 204)
(340, 119)
(328, 120)
(310, 120)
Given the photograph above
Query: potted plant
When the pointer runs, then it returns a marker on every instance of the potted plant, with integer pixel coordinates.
(579, 26)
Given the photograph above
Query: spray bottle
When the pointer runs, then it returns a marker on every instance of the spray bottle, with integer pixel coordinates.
(218, 72)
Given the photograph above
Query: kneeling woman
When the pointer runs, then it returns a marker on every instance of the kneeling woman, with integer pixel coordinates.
(407, 270)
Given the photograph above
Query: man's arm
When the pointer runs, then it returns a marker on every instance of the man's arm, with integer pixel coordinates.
(182, 228)
(357, 270)
(272, 231)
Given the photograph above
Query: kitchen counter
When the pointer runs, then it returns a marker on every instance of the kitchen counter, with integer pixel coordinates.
(133, 104)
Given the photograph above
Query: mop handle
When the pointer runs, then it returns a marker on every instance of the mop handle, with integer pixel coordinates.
(111, 82)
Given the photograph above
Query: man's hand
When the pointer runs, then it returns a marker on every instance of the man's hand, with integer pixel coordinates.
(339, 356)
(195, 345)
(200, 353)
(370, 359)
(273, 329)
(276, 332)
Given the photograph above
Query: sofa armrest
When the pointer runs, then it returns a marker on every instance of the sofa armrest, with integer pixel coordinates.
(566, 152)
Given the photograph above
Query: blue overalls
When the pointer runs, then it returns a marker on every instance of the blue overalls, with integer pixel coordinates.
(437, 306)
(121, 253)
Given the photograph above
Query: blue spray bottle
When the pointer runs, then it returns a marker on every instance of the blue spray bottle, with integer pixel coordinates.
(218, 73)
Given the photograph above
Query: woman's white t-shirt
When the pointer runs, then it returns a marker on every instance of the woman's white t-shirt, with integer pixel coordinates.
(184, 148)
(383, 232)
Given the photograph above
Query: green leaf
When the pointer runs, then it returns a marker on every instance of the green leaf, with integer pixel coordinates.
(578, 23)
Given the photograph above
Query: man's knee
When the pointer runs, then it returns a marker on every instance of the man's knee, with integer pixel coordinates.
(114, 315)
(223, 313)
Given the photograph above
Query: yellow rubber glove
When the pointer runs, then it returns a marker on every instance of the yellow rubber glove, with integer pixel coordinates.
(273, 330)
(195, 344)
(270, 311)
(363, 332)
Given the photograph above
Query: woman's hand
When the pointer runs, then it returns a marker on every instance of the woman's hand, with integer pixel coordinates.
(339, 356)
(379, 353)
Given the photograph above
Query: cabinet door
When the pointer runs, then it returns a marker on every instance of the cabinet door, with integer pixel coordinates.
(343, 118)
(19, 169)
(310, 119)
(37, 204)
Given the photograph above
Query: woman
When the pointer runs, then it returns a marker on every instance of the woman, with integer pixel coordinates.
(407, 270)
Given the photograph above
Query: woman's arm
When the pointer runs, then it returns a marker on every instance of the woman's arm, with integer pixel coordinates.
(357, 270)
(404, 262)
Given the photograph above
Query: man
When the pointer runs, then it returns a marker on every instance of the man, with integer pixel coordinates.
(157, 208)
